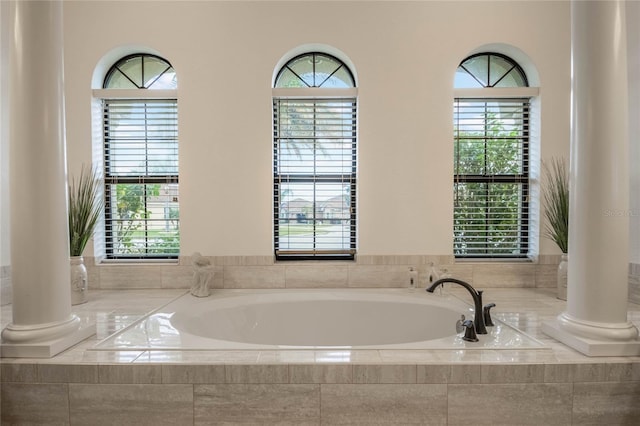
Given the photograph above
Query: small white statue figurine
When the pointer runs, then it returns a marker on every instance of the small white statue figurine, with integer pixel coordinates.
(202, 275)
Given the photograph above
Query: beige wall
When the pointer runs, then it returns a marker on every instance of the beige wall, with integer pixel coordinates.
(405, 55)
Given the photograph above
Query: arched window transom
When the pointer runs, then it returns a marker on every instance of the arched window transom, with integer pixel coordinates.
(314, 70)
(141, 71)
(489, 70)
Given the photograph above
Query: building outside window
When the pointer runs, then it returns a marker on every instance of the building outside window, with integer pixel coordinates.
(491, 159)
(140, 131)
(314, 159)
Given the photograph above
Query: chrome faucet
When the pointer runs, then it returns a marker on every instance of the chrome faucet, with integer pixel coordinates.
(478, 319)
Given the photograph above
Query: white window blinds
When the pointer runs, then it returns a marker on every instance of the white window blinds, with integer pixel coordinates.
(141, 178)
(314, 178)
(491, 177)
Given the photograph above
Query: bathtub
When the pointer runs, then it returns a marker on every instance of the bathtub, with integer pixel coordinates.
(311, 319)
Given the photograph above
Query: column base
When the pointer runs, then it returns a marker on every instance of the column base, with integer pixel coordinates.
(43, 341)
(593, 339)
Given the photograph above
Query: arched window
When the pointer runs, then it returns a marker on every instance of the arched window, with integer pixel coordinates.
(490, 70)
(140, 131)
(314, 159)
(491, 158)
(141, 71)
(314, 70)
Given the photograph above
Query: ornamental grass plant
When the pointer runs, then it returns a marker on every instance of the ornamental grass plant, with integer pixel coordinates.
(85, 208)
(555, 194)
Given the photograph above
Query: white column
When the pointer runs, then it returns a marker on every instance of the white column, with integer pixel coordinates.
(42, 320)
(595, 321)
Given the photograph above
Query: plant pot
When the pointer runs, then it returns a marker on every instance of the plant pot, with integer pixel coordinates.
(562, 277)
(79, 286)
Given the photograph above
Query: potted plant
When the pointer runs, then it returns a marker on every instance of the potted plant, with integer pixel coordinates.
(85, 208)
(555, 195)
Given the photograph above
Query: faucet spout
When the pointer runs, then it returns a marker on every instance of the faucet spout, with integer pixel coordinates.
(478, 319)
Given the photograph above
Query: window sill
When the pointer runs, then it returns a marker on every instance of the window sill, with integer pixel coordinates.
(327, 262)
(120, 262)
(493, 260)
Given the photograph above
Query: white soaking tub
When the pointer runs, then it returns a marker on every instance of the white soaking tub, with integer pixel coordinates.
(311, 319)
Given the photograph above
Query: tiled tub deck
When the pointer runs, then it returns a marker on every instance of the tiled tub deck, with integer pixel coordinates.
(540, 387)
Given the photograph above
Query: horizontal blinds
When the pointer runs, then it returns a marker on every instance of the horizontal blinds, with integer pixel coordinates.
(314, 177)
(491, 177)
(141, 178)
(142, 137)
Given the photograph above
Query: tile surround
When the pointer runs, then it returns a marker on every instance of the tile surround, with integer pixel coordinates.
(546, 275)
(504, 275)
(372, 374)
(607, 403)
(316, 276)
(424, 404)
(130, 373)
(510, 404)
(368, 276)
(556, 386)
(196, 374)
(254, 276)
(140, 404)
(466, 374)
(67, 373)
(129, 276)
(257, 374)
(365, 272)
(42, 403)
(553, 386)
(320, 374)
(294, 404)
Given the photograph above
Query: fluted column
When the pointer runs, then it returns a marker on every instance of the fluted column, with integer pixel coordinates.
(42, 315)
(596, 312)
